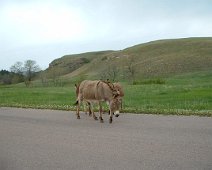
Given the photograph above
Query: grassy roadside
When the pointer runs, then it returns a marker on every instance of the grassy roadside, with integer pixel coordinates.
(188, 94)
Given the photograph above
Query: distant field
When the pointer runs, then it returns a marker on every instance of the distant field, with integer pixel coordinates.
(187, 94)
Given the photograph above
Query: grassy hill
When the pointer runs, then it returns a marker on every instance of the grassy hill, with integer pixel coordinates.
(70, 63)
(160, 58)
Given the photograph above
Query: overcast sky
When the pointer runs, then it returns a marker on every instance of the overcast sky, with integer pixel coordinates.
(43, 30)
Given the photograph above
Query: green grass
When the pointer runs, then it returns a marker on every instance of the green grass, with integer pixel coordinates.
(167, 99)
(38, 97)
(187, 94)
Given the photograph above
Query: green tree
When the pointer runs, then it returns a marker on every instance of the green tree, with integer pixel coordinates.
(30, 68)
(131, 69)
(17, 68)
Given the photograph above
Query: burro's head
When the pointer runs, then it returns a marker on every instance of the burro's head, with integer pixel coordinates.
(116, 105)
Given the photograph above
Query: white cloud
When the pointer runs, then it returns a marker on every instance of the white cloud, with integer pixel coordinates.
(70, 26)
(41, 23)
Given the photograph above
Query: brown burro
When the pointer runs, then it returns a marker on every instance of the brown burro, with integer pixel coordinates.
(97, 92)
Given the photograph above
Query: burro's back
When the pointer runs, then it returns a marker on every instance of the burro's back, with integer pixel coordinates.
(87, 90)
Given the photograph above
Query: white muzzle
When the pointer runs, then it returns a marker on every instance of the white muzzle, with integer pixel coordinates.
(116, 113)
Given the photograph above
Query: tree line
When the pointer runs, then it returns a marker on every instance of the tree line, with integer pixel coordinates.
(29, 70)
(20, 72)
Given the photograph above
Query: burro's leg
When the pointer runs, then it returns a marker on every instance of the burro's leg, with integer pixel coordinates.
(92, 111)
(111, 116)
(89, 109)
(100, 113)
(86, 107)
(78, 109)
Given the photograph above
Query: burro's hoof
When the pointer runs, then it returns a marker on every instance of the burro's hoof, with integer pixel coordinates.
(101, 120)
(117, 115)
(78, 117)
(111, 120)
(95, 118)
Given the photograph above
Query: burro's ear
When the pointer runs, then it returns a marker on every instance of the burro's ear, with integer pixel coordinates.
(75, 86)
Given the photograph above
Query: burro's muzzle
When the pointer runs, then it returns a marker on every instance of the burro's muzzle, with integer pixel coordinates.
(117, 113)
(116, 106)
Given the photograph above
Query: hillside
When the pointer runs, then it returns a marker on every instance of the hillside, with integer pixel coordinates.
(70, 63)
(154, 59)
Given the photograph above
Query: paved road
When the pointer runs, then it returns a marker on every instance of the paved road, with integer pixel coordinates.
(56, 140)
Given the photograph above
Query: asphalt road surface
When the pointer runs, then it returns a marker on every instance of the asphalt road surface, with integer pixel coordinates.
(56, 140)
